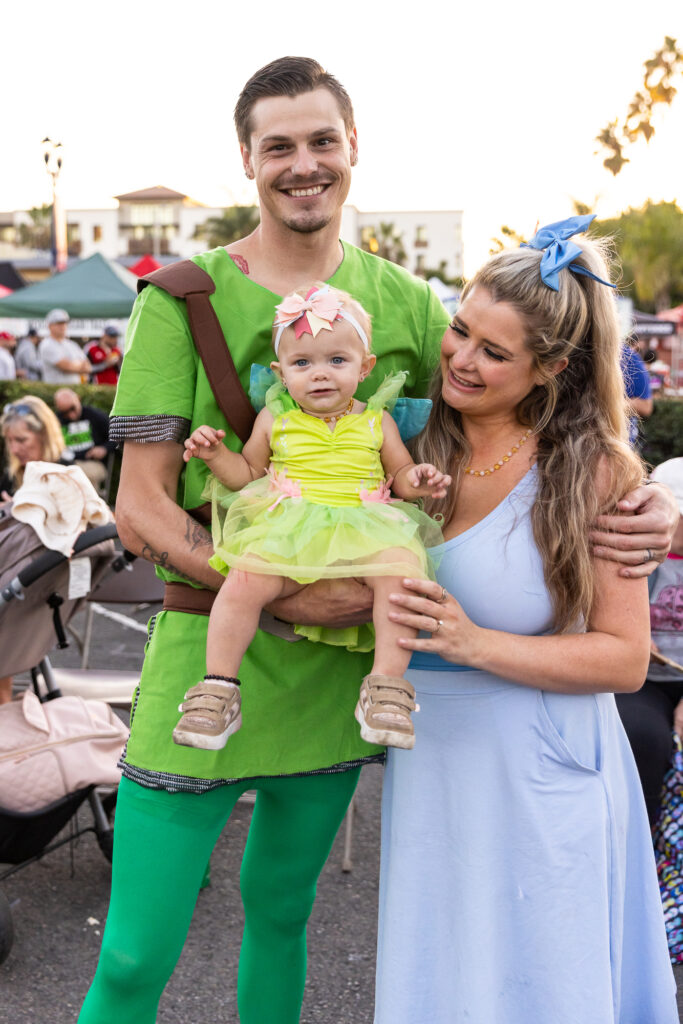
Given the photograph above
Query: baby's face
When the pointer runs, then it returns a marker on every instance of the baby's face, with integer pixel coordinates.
(322, 373)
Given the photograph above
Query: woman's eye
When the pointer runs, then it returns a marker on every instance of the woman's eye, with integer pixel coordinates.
(458, 330)
(494, 355)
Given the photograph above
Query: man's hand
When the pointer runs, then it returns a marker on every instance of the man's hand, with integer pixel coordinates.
(333, 603)
(641, 536)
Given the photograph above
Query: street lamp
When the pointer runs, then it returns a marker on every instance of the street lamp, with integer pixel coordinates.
(52, 156)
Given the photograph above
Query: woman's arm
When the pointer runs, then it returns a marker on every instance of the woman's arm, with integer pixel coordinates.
(611, 656)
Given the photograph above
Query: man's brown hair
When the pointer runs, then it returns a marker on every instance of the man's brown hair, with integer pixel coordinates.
(288, 76)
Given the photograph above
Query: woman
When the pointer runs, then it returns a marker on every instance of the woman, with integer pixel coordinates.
(30, 432)
(518, 880)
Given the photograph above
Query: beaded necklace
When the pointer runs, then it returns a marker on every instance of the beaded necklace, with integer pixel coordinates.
(501, 462)
(347, 410)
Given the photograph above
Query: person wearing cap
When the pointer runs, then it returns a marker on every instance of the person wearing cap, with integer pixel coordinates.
(650, 714)
(105, 355)
(8, 370)
(29, 366)
(63, 360)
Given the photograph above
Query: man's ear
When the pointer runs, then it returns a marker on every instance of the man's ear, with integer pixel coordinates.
(246, 161)
(367, 366)
(353, 146)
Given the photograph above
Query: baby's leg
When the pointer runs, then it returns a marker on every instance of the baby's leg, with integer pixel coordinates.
(235, 616)
(386, 698)
(212, 710)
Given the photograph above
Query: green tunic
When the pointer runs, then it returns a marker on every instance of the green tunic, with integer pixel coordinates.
(297, 698)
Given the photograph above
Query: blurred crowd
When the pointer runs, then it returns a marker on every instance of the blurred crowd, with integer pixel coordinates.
(55, 358)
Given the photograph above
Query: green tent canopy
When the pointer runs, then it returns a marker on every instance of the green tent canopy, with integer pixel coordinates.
(91, 289)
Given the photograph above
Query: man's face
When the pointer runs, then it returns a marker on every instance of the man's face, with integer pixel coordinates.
(69, 406)
(300, 155)
(58, 330)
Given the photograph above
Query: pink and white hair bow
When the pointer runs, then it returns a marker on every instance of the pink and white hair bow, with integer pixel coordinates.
(313, 313)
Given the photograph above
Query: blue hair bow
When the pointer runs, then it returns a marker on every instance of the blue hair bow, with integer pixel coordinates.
(560, 252)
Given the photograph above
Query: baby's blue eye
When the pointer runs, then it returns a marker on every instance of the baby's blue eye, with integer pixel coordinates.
(338, 359)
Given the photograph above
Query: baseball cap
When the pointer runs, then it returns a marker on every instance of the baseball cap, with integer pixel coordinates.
(671, 474)
(112, 330)
(57, 316)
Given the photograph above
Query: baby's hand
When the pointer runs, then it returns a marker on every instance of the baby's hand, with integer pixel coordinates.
(203, 443)
(431, 481)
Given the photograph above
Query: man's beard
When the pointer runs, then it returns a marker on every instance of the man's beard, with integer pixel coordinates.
(308, 227)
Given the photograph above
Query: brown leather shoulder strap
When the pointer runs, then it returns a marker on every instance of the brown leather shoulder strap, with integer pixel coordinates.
(185, 280)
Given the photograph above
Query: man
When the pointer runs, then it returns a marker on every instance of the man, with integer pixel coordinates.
(638, 390)
(63, 360)
(8, 369)
(86, 434)
(105, 355)
(299, 745)
(26, 356)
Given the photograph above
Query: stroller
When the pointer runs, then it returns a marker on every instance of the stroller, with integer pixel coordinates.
(56, 752)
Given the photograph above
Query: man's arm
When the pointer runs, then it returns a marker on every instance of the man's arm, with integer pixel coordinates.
(641, 536)
(151, 524)
(642, 407)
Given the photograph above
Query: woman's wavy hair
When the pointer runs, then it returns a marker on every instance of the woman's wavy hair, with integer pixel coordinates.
(579, 415)
(39, 419)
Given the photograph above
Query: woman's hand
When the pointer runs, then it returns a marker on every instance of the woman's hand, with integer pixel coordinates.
(429, 607)
(641, 539)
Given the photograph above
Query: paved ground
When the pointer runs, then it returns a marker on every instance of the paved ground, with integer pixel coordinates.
(60, 904)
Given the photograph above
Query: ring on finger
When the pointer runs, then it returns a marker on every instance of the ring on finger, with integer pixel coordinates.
(649, 556)
(439, 624)
(444, 595)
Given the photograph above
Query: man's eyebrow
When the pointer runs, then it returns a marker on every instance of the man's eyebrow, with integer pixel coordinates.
(496, 344)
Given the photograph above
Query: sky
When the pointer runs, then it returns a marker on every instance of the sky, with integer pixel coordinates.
(491, 107)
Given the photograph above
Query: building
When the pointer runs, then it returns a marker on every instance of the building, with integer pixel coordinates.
(163, 222)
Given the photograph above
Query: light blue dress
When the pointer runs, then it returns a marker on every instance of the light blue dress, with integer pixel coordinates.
(518, 881)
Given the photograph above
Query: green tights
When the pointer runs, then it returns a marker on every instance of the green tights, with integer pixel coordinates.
(162, 845)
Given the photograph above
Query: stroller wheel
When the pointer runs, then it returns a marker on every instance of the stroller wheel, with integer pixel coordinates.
(6, 928)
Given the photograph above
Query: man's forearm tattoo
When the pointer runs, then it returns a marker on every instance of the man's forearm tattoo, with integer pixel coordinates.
(196, 536)
(160, 558)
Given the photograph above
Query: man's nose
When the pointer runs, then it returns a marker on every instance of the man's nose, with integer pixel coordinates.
(305, 162)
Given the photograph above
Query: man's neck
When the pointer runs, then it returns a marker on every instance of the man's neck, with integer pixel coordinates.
(280, 259)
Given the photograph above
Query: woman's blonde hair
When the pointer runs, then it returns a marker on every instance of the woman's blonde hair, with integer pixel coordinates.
(579, 416)
(39, 419)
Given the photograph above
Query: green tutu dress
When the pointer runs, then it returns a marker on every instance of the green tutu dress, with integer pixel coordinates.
(324, 510)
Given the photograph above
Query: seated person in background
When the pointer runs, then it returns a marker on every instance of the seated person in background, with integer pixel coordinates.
(650, 714)
(105, 356)
(26, 356)
(63, 360)
(30, 432)
(86, 434)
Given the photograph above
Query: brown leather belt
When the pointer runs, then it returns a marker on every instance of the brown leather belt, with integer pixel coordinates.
(181, 597)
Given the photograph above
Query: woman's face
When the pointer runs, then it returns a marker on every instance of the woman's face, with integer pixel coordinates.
(486, 366)
(24, 444)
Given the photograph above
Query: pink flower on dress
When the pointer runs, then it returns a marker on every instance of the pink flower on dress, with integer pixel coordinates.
(383, 495)
(281, 482)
